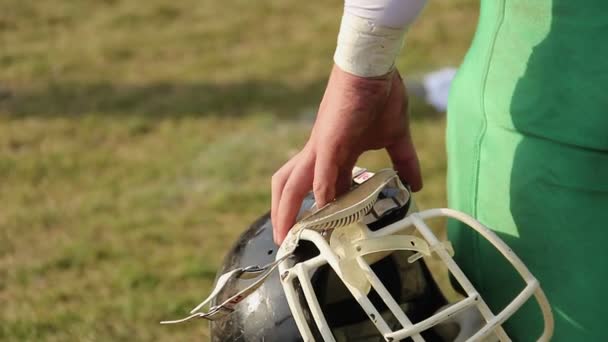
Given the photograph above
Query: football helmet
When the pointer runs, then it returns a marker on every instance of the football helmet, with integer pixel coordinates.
(365, 267)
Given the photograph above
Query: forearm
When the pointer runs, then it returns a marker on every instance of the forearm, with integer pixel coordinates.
(371, 34)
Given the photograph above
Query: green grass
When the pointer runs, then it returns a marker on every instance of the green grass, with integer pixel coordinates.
(137, 140)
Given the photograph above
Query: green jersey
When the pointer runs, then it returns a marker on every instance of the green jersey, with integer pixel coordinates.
(528, 156)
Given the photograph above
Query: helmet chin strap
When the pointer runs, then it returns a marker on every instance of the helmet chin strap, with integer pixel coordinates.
(227, 307)
(333, 221)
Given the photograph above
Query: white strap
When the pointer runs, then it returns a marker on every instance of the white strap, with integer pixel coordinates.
(221, 310)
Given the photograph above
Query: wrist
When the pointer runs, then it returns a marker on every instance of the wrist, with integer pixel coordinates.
(363, 92)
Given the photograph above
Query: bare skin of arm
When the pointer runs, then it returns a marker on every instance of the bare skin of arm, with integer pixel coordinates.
(356, 114)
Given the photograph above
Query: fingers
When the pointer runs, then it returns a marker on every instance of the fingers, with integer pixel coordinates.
(278, 183)
(305, 171)
(295, 188)
(325, 176)
(345, 177)
(405, 161)
(402, 152)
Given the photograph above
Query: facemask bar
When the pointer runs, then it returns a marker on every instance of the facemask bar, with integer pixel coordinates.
(304, 270)
(493, 322)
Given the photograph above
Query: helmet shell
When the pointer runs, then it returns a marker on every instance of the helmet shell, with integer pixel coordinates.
(265, 314)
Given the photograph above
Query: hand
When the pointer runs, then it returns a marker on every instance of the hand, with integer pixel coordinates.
(356, 115)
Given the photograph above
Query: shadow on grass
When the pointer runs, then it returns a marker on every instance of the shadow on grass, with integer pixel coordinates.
(159, 99)
(69, 99)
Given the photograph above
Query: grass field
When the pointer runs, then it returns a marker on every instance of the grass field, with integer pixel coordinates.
(137, 140)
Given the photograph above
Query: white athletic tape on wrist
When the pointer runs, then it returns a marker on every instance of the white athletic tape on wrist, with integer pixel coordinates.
(366, 49)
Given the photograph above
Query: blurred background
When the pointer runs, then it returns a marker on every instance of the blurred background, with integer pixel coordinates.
(138, 138)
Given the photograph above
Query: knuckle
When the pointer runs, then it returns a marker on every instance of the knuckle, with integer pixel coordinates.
(319, 187)
(290, 189)
(322, 190)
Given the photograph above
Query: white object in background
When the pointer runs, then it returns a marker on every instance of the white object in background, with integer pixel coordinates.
(437, 87)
